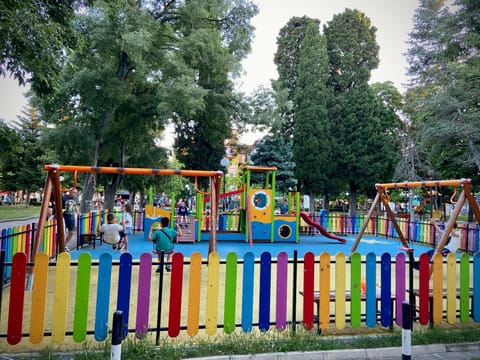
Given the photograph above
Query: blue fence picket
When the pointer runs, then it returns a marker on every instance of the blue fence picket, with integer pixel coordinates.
(265, 286)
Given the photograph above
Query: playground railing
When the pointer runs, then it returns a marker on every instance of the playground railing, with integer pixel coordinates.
(77, 299)
(20, 238)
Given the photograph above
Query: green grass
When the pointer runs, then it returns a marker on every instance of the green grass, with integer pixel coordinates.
(269, 342)
(8, 212)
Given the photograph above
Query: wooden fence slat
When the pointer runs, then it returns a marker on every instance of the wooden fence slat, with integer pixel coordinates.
(355, 290)
(17, 298)
(39, 297)
(324, 287)
(451, 288)
(400, 278)
(62, 281)
(247, 291)
(103, 296)
(195, 278)
(82, 295)
(371, 290)
(308, 288)
(176, 287)
(265, 291)
(476, 288)
(340, 271)
(143, 295)
(230, 293)
(282, 285)
(437, 275)
(212, 293)
(124, 288)
(464, 288)
(386, 290)
(424, 291)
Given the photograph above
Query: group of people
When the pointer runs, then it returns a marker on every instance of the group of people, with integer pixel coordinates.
(114, 232)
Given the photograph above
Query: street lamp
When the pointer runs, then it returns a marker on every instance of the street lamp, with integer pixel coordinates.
(224, 164)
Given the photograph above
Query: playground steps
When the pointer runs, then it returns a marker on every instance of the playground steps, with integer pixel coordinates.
(188, 233)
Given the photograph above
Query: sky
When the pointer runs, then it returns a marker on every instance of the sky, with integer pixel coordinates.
(392, 18)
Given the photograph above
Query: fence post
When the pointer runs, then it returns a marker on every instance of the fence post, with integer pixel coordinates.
(294, 290)
(2, 277)
(116, 352)
(160, 296)
(406, 331)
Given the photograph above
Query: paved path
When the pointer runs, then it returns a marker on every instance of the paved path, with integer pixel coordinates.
(463, 351)
(432, 352)
(5, 224)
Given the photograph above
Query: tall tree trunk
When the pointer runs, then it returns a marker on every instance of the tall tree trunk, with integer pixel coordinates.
(90, 182)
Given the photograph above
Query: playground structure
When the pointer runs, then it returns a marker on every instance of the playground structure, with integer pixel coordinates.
(256, 219)
(336, 273)
(382, 195)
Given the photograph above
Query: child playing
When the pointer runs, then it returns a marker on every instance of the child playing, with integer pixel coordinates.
(128, 220)
(112, 232)
(163, 239)
(183, 214)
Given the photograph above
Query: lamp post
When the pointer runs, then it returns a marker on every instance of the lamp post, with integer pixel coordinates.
(224, 164)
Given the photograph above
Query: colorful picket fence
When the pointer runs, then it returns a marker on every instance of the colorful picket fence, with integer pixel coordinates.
(78, 299)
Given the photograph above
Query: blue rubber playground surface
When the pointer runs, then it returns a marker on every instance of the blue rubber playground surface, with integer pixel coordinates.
(316, 244)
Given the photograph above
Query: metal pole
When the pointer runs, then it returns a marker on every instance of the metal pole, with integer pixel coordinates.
(160, 296)
(116, 352)
(406, 331)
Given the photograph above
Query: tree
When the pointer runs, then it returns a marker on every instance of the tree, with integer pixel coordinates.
(311, 133)
(287, 59)
(22, 167)
(109, 92)
(34, 36)
(276, 151)
(363, 126)
(444, 66)
(352, 50)
(10, 145)
(216, 38)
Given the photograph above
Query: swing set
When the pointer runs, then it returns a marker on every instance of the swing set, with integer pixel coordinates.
(54, 190)
(382, 195)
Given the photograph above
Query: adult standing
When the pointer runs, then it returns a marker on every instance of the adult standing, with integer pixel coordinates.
(70, 213)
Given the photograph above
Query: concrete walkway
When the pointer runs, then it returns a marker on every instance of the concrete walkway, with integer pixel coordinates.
(437, 351)
(432, 352)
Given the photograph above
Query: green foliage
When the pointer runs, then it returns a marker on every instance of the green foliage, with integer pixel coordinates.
(352, 49)
(216, 39)
(275, 151)
(22, 162)
(311, 137)
(33, 39)
(287, 59)
(444, 65)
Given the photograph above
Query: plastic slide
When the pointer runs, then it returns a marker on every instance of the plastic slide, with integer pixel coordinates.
(320, 228)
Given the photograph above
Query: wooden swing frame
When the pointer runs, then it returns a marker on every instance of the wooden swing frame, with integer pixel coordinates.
(382, 195)
(53, 187)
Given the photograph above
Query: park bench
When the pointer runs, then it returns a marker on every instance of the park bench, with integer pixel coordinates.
(88, 239)
(416, 304)
(348, 298)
